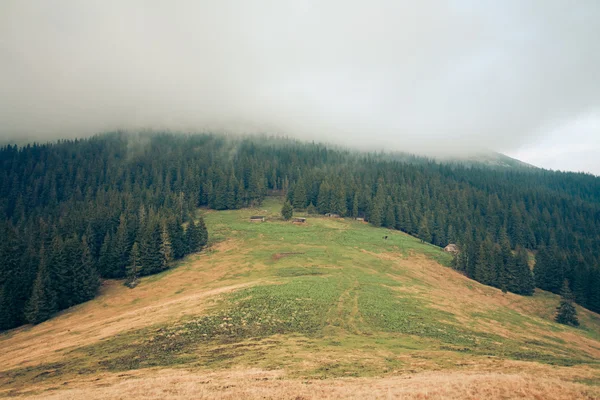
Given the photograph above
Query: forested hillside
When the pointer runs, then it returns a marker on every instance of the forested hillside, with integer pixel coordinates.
(76, 210)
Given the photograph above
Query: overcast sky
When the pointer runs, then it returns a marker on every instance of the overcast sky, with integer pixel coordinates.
(516, 76)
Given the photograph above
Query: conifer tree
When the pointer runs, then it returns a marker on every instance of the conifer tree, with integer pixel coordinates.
(338, 200)
(85, 279)
(59, 271)
(506, 266)
(220, 194)
(522, 277)
(287, 211)
(120, 250)
(355, 206)
(485, 270)
(166, 252)
(142, 216)
(390, 215)
(193, 237)
(207, 193)
(376, 216)
(232, 192)
(566, 312)
(150, 248)
(134, 267)
(43, 301)
(549, 269)
(105, 260)
(177, 236)
(311, 209)
(424, 233)
(202, 232)
(299, 195)
(15, 282)
(324, 198)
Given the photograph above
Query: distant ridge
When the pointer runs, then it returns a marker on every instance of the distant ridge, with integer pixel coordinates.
(489, 159)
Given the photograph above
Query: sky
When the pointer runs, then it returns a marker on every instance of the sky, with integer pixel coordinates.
(434, 77)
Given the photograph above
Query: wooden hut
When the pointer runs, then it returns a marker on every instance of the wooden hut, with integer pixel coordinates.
(299, 220)
(257, 218)
(451, 248)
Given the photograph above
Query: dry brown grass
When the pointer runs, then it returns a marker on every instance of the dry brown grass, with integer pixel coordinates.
(260, 384)
(185, 291)
(453, 292)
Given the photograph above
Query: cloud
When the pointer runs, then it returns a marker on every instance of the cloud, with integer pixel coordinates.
(427, 76)
(573, 146)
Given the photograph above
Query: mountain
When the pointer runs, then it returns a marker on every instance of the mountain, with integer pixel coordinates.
(134, 256)
(284, 310)
(489, 159)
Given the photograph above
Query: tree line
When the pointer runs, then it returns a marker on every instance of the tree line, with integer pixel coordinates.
(119, 205)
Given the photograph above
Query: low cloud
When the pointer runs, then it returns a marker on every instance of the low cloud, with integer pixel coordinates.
(428, 76)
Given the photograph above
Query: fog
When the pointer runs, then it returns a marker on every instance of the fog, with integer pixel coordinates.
(433, 77)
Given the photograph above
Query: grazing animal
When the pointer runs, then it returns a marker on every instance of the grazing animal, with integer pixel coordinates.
(385, 237)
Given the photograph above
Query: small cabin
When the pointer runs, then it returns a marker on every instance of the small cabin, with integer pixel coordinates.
(257, 218)
(299, 220)
(451, 248)
(361, 219)
(332, 215)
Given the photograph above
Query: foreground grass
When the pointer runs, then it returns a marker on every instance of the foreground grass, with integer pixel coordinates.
(328, 299)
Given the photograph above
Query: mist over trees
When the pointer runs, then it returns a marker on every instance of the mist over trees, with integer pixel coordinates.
(121, 205)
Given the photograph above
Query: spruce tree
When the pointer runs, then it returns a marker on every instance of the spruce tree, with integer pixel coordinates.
(193, 237)
(232, 192)
(86, 281)
(566, 312)
(15, 285)
(485, 266)
(220, 194)
(59, 271)
(523, 282)
(105, 261)
(338, 200)
(150, 247)
(390, 215)
(43, 301)
(120, 250)
(177, 235)
(202, 232)
(287, 211)
(324, 198)
(134, 267)
(355, 206)
(549, 269)
(424, 233)
(299, 195)
(166, 253)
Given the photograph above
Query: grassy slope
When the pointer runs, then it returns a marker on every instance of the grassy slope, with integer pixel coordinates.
(327, 299)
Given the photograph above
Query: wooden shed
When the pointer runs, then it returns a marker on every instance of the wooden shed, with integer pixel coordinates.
(299, 220)
(257, 218)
